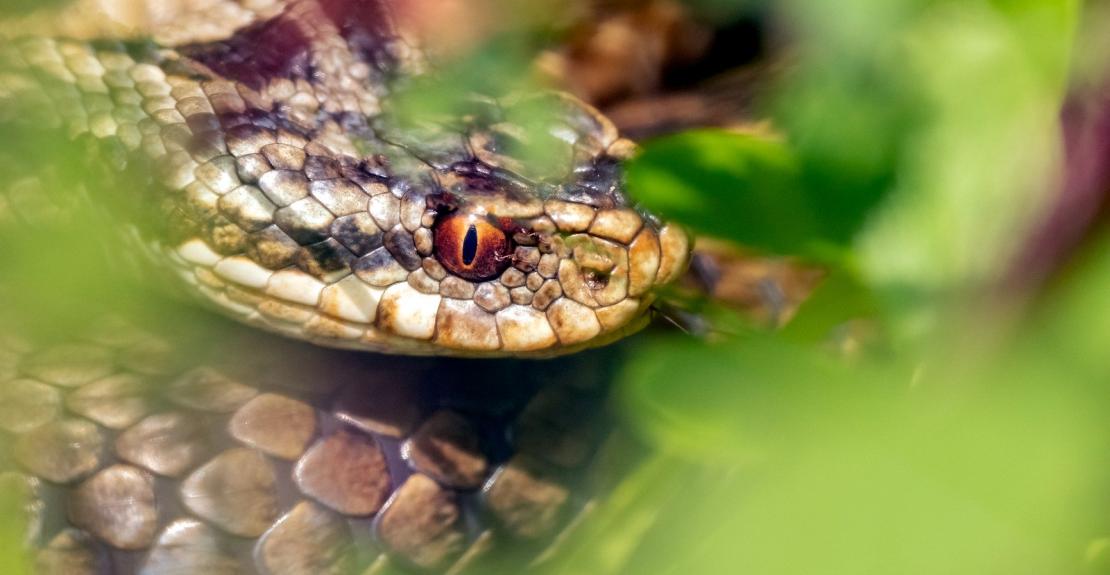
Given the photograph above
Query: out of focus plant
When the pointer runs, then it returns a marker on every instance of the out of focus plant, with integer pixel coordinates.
(920, 148)
(14, 501)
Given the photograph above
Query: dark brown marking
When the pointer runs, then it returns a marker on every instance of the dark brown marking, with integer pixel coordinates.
(277, 48)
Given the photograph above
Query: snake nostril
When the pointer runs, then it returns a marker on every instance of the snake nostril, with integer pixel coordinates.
(596, 280)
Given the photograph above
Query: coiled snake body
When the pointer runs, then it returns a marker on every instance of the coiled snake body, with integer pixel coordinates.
(280, 194)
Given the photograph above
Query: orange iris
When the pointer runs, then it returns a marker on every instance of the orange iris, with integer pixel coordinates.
(471, 247)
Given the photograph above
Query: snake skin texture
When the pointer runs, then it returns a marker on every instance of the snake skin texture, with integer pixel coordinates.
(273, 457)
(260, 166)
(282, 194)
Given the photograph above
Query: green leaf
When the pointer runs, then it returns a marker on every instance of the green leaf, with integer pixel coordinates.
(14, 504)
(738, 186)
(967, 463)
(838, 299)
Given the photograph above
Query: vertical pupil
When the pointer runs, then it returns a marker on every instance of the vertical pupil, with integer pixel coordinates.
(470, 246)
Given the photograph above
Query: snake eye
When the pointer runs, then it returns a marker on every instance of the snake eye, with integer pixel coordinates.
(470, 247)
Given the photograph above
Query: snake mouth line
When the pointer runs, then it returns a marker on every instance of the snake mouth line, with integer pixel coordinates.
(572, 291)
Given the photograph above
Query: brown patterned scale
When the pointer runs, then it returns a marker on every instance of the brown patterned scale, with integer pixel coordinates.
(296, 460)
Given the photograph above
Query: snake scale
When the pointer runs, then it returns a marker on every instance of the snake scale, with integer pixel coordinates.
(274, 189)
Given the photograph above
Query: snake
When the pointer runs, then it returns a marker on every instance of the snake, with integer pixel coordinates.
(287, 205)
(264, 176)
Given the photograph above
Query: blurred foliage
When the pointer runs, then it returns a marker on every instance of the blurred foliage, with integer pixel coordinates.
(920, 147)
(15, 497)
(757, 200)
(61, 252)
(442, 103)
(20, 7)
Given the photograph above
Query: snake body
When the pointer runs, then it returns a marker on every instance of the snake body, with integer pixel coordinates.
(260, 168)
(254, 454)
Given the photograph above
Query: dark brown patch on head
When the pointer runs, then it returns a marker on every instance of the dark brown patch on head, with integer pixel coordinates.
(283, 46)
(277, 48)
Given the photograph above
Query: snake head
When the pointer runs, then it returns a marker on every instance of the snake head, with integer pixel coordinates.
(450, 237)
(525, 260)
(454, 239)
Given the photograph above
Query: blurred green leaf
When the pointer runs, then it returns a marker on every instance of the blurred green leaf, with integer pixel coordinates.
(742, 399)
(738, 186)
(971, 178)
(491, 90)
(496, 67)
(19, 7)
(838, 299)
(1073, 322)
(954, 465)
(14, 498)
(935, 123)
